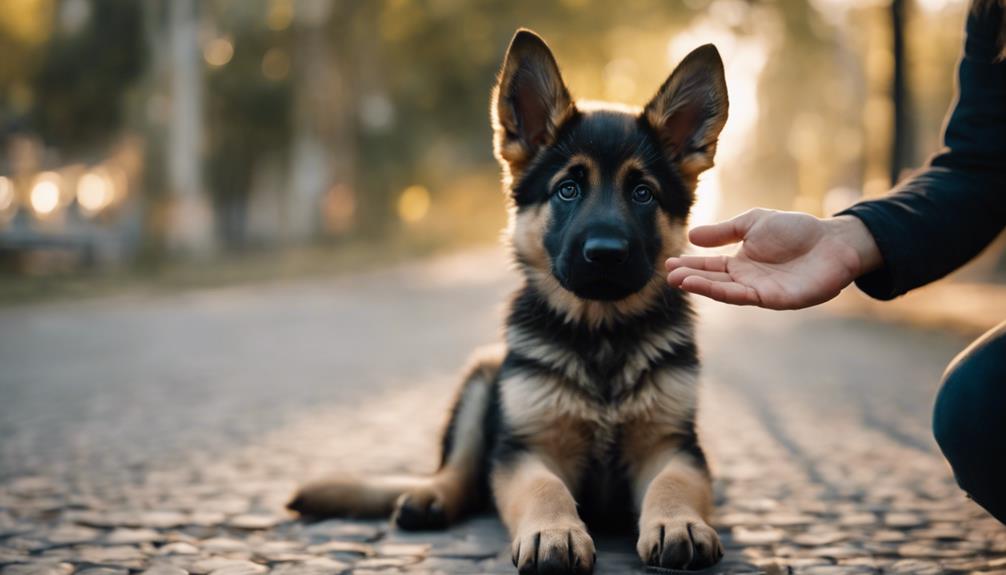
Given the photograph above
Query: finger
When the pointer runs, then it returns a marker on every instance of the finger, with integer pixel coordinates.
(680, 274)
(727, 232)
(707, 263)
(726, 292)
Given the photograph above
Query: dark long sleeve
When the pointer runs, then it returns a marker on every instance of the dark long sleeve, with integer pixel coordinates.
(945, 214)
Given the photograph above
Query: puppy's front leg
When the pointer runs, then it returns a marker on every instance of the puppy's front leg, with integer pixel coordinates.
(540, 512)
(676, 499)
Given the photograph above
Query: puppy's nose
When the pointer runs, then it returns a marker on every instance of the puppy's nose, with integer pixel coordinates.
(606, 251)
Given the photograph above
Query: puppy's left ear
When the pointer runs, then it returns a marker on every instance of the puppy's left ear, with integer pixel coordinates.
(690, 109)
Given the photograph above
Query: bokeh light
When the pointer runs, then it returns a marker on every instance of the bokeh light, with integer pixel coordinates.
(280, 14)
(276, 64)
(218, 52)
(413, 204)
(6, 193)
(44, 195)
(95, 191)
(338, 209)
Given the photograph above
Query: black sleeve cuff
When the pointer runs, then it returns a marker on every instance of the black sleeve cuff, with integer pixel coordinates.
(882, 283)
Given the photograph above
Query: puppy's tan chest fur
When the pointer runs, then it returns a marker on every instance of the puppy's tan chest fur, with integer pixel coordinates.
(561, 419)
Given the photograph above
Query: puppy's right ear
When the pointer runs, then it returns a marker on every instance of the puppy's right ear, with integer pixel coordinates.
(529, 102)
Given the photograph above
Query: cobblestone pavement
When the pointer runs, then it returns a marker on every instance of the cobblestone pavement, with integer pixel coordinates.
(162, 435)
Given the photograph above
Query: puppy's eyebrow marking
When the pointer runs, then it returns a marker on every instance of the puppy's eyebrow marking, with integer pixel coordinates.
(581, 161)
(633, 169)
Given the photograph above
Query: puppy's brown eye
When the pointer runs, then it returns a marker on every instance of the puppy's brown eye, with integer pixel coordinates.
(642, 195)
(568, 190)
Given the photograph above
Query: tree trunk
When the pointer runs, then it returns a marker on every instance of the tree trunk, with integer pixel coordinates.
(902, 149)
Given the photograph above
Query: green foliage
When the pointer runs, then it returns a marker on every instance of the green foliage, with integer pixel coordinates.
(82, 78)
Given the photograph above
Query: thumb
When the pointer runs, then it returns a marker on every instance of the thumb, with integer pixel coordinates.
(728, 232)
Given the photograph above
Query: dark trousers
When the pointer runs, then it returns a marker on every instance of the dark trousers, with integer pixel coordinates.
(970, 420)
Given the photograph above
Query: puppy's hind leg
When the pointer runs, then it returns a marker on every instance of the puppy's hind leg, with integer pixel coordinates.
(459, 486)
(352, 496)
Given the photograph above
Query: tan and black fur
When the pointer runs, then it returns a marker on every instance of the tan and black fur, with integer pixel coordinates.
(587, 414)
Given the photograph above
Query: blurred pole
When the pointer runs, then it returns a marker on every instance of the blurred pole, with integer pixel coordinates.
(323, 152)
(902, 149)
(311, 169)
(190, 220)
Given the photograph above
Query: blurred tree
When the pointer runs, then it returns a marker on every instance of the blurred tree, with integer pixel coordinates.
(84, 73)
(25, 27)
(67, 68)
(248, 110)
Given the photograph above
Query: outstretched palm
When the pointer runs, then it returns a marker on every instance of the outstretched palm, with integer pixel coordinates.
(787, 260)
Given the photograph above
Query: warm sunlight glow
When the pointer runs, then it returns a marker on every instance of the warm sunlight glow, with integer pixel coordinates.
(707, 199)
(620, 80)
(938, 5)
(744, 58)
(45, 193)
(413, 204)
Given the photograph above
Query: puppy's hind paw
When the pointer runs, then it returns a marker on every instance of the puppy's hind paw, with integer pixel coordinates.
(420, 509)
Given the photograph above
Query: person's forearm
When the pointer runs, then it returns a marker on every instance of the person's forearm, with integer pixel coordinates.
(934, 223)
(851, 231)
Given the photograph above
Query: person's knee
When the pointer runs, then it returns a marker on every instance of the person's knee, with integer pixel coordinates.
(954, 427)
(970, 402)
(968, 421)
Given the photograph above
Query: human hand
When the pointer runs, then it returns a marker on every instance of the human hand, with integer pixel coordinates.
(787, 260)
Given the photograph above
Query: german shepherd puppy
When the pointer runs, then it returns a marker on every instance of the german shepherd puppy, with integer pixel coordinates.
(588, 417)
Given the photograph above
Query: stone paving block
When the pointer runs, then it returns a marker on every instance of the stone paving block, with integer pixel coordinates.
(313, 566)
(38, 568)
(71, 535)
(377, 563)
(126, 536)
(101, 571)
(916, 567)
(223, 566)
(253, 521)
(127, 556)
(165, 570)
(345, 530)
(342, 547)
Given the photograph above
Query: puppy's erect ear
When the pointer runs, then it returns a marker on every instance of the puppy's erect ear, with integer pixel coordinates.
(690, 109)
(529, 102)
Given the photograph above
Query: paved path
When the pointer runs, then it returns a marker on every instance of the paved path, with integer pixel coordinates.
(162, 434)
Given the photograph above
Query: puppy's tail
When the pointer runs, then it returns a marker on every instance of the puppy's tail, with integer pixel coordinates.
(430, 501)
(353, 496)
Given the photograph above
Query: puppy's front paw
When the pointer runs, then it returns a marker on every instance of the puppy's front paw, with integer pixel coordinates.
(554, 550)
(420, 509)
(679, 544)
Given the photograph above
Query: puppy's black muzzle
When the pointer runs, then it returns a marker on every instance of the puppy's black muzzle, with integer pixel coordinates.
(604, 266)
(606, 251)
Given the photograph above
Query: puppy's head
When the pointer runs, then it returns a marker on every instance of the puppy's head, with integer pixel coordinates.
(601, 193)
